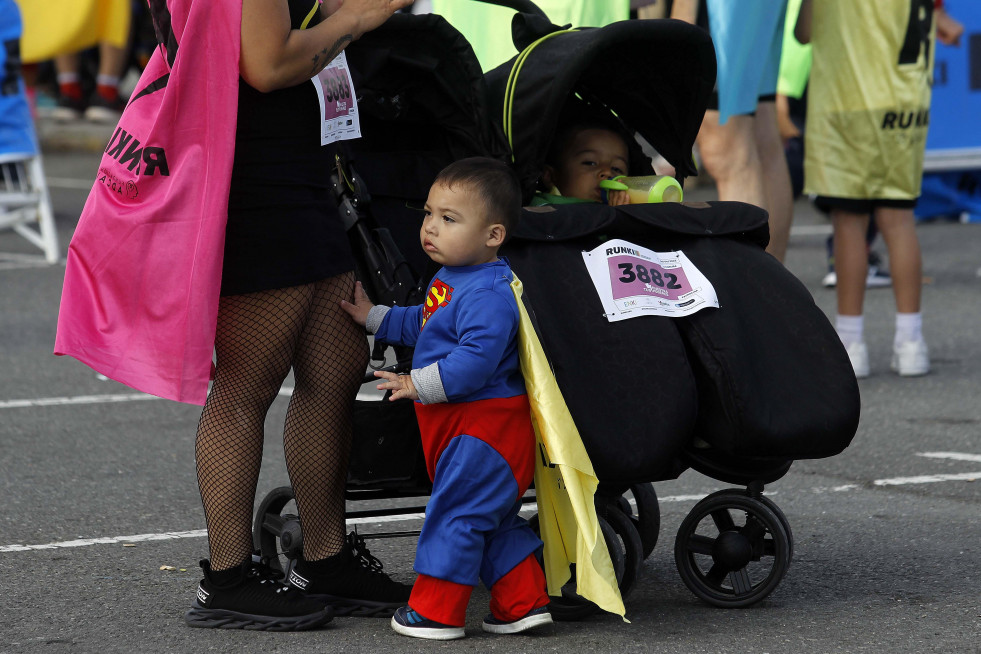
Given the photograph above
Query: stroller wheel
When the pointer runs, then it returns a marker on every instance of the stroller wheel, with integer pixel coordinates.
(732, 550)
(646, 517)
(623, 543)
(276, 535)
(770, 504)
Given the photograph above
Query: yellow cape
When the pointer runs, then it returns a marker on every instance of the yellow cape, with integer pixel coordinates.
(564, 482)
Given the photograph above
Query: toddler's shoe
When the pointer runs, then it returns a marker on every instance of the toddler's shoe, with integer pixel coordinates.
(409, 623)
(254, 599)
(351, 582)
(858, 354)
(911, 359)
(534, 619)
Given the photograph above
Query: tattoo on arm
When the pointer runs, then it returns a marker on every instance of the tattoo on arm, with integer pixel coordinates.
(325, 56)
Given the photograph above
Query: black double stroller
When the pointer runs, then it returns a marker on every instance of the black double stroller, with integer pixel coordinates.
(736, 393)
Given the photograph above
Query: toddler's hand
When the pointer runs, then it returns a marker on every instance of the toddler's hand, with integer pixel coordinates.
(617, 198)
(362, 305)
(400, 385)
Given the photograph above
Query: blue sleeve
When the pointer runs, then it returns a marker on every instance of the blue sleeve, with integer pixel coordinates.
(487, 324)
(401, 326)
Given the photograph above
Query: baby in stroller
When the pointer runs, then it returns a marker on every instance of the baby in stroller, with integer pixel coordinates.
(588, 147)
(472, 408)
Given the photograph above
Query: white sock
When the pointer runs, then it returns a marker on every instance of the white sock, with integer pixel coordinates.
(851, 329)
(68, 78)
(909, 327)
(107, 80)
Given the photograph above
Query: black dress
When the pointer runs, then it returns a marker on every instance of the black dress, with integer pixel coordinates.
(283, 227)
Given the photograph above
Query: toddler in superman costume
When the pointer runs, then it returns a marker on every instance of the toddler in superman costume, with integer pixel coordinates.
(472, 409)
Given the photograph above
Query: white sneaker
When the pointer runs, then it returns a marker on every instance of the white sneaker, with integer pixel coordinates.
(876, 278)
(911, 359)
(858, 354)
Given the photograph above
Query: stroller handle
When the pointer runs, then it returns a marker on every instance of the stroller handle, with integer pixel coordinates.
(522, 6)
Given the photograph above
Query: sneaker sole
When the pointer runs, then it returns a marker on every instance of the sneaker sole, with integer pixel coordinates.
(102, 115)
(345, 607)
(65, 115)
(917, 372)
(444, 633)
(530, 623)
(203, 618)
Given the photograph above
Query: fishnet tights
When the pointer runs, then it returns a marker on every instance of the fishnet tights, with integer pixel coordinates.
(260, 336)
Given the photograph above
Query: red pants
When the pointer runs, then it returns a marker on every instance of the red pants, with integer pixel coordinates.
(513, 596)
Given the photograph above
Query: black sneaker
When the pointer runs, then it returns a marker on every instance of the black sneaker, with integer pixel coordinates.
(534, 619)
(409, 623)
(351, 582)
(104, 110)
(68, 109)
(256, 599)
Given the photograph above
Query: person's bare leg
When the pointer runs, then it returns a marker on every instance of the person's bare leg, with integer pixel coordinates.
(898, 229)
(729, 155)
(70, 100)
(851, 260)
(112, 59)
(776, 179)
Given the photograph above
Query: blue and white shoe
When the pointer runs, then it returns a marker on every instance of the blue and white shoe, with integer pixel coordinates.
(409, 623)
(534, 619)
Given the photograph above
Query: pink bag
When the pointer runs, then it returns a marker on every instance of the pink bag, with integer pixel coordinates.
(140, 301)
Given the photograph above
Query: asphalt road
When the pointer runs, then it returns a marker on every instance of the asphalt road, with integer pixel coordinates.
(99, 493)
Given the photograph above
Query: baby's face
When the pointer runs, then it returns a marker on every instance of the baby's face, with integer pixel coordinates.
(592, 156)
(455, 231)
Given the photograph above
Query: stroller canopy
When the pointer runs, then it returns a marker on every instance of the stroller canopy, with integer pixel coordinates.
(655, 75)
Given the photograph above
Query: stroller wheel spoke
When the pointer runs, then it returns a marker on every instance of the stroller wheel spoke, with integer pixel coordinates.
(741, 583)
(723, 520)
(716, 575)
(701, 545)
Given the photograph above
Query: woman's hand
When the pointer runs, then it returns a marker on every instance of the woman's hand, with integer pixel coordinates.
(371, 13)
(400, 385)
(276, 56)
(362, 305)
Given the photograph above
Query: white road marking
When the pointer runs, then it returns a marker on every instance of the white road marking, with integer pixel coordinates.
(928, 479)
(956, 456)
(286, 391)
(78, 399)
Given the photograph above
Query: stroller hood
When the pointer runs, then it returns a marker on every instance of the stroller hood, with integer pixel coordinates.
(655, 75)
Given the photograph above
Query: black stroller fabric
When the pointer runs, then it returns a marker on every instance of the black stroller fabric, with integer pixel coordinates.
(628, 385)
(764, 375)
(423, 104)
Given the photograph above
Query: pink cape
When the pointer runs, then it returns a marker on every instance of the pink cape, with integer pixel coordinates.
(142, 280)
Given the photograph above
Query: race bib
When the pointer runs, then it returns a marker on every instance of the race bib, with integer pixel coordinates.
(338, 104)
(633, 281)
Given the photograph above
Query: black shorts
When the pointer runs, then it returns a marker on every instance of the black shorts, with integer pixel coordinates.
(853, 205)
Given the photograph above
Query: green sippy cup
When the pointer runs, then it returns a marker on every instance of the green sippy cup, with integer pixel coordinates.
(649, 188)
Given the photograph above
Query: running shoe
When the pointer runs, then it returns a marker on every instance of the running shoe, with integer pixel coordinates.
(536, 619)
(351, 582)
(409, 623)
(255, 599)
(858, 354)
(911, 359)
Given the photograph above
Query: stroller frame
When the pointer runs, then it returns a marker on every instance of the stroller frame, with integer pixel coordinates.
(735, 545)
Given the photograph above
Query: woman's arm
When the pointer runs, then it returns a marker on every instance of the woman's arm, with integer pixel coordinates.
(275, 56)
